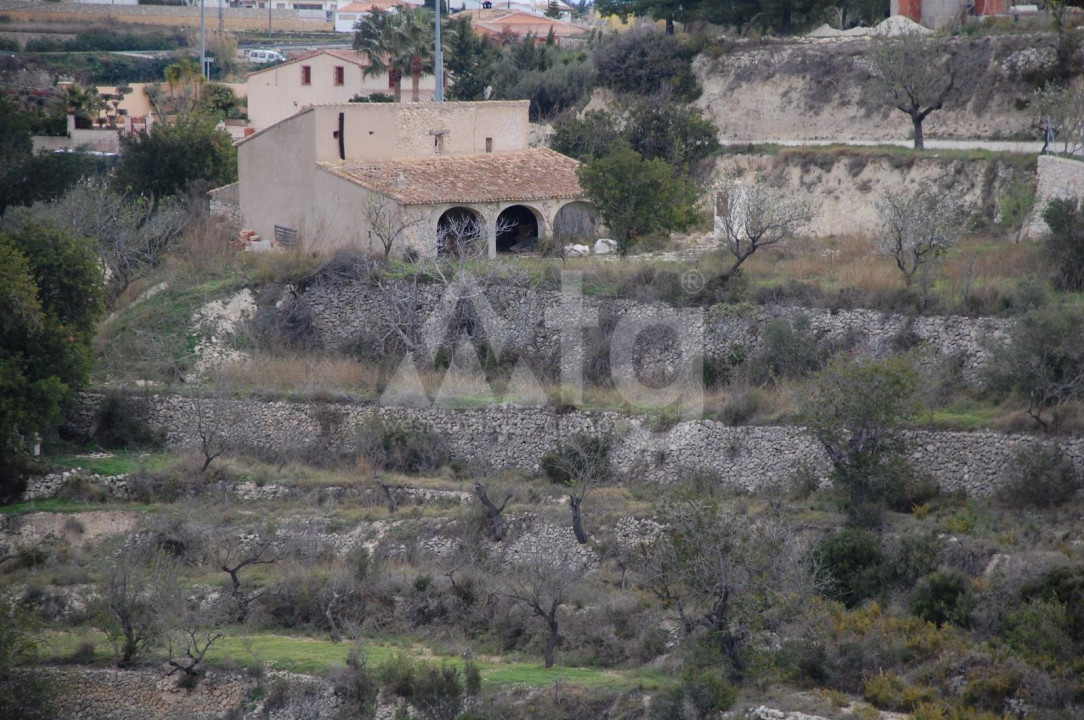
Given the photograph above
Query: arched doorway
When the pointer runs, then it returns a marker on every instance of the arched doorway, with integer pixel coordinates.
(517, 229)
(460, 232)
(575, 221)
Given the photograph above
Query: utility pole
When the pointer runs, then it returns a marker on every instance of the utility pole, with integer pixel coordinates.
(202, 42)
(438, 60)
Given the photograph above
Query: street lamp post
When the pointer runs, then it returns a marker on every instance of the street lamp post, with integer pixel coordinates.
(438, 60)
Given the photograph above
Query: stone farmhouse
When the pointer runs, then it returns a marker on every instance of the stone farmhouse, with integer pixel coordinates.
(321, 77)
(440, 170)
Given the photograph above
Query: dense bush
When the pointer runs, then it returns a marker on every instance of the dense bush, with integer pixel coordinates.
(119, 424)
(1065, 586)
(1065, 243)
(400, 449)
(1043, 360)
(705, 693)
(854, 561)
(175, 158)
(551, 90)
(582, 137)
(791, 350)
(1040, 476)
(582, 459)
(679, 135)
(647, 62)
(944, 597)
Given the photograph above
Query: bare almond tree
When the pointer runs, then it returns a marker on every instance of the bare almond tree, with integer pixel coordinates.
(542, 584)
(917, 73)
(233, 553)
(215, 418)
(388, 221)
(193, 631)
(749, 217)
(581, 464)
(916, 228)
(133, 590)
(497, 527)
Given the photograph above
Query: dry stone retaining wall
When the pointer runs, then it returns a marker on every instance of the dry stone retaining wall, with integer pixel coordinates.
(348, 315)
(108, 694)
(1058, 178)
(505, 436)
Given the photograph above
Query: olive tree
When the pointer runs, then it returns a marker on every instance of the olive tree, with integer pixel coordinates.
(581, 465)
(133, 593)
(856, 410)
(749, 217)
(542, 584)
(916, 228)
(727, 575)
(917, 73)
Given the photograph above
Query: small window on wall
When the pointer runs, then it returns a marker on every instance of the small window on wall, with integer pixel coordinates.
(306, 75)
(391, 81)
(339, 75)
(489, 145)
(438, 143)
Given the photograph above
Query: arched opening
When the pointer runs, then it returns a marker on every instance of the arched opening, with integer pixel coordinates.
(460, 232)
(575, 221)
(517, 229)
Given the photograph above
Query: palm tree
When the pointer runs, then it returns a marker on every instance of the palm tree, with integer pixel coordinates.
(398, 43)
(377, 38)
(416, 44)
(184, 77)
(84, 103)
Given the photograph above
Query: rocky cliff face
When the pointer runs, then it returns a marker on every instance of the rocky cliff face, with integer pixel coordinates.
(823, 90)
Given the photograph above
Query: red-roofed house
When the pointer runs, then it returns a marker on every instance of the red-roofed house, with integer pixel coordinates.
(347, 16)
(321, 77)
(445, 166)
(520, 23)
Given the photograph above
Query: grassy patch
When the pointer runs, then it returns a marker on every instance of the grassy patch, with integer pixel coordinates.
(313, 656)
(120, 462)
(67, 506)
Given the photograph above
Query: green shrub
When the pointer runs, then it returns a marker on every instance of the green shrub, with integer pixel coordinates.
(1066, 586)
(706, 692)
(791, 350)
(646, 62)
(119, 423)
(1065, 243)
(854, 562)
(944, 597)
(1041, 629)
(1043, 360)
(582, 459)
(438, 693)
(592, 135)
(398, 675)
(1040, 476)
(885, 690)
(399, 449)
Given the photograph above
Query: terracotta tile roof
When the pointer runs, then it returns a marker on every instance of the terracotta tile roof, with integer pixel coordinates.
(351, 56)
(518, 176)
(520, 22)
(367, 5)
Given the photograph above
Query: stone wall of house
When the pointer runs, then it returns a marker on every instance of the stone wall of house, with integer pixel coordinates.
(356, 316)
(505, 436)
(149, 694)
(1058, 178)
(225, 202)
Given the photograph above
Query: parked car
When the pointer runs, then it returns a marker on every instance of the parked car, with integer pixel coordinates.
(262, 57)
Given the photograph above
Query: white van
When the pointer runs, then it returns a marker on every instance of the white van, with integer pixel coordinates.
(262, 57)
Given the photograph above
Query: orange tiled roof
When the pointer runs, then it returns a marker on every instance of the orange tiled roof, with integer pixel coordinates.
(520, 22)
(518, 176)
(351, 56)
(367, 5)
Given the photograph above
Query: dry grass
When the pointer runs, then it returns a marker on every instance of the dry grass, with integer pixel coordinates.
(303, 374)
